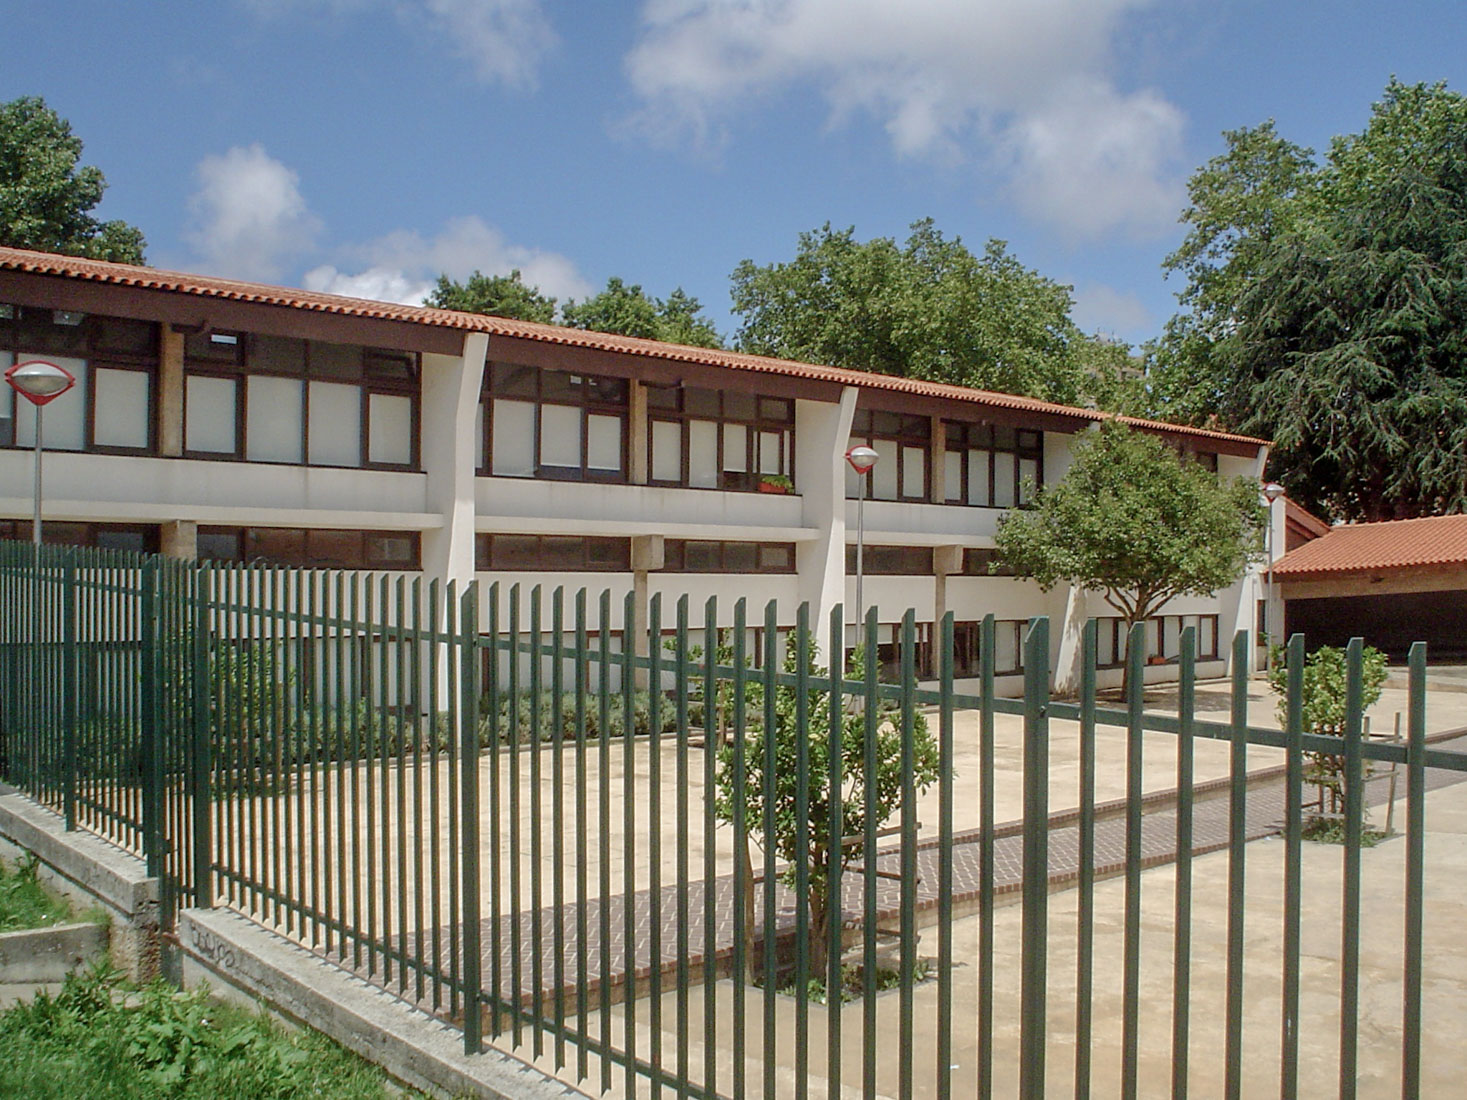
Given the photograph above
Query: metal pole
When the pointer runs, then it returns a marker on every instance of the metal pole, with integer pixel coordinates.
(36, 515)
(860, 545)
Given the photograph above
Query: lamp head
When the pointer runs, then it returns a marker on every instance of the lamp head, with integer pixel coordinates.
(39, 381)
(862, 458)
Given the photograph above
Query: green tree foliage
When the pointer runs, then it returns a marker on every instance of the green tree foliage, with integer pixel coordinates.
(496, 295)
(1323, 708)
(1326, 307)
(628, 310)
(1134, 522)
(46, 197)
(928, 309)
(858, 801)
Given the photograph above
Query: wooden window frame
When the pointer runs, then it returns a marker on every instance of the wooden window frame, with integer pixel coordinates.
(361, 561)
(484, 554)
(864, 432)
(675, 557)
(960, 439)
(759, 422)
(588, 407)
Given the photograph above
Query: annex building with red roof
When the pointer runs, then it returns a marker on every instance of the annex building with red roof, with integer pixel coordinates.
(235, 421)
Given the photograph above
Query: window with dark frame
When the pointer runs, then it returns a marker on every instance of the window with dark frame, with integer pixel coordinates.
(553, 424)
(110, 410)
(711, 439)
(140, 538)
(291, 401)
(903, 444)
(1163, 638)
(714, 556)
(992, 465)
(311, 548)
(985, 562)
(553, 553)
(1008, 649)
(891, 561)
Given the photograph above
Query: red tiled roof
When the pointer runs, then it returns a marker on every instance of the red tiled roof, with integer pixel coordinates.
(1372, 547)
(71, 267)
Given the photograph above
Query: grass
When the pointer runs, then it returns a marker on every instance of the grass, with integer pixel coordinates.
(852, 983)
(90, 1040)
(24, 903)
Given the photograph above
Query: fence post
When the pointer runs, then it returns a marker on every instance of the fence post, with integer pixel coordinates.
(469, 778)
(149, 741)
(70, 689)
(203, 763)
(1036, 859)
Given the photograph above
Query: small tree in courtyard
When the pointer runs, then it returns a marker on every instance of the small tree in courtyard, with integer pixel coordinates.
(1135, 522)
(859, 802)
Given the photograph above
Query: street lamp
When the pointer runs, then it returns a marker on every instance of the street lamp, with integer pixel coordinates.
(40, 383)
(1271, 492)
(862, 459)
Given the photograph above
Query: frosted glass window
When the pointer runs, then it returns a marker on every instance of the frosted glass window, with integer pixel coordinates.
(953, 476)
(274, 419)
(209, 414)
(1153, 637)
(65, 418)
(1105, 642)
(884, 476)
(390, 424)
(1028, 478)
(1195, 622)
(914, 472)
(335, 424)
(122, 408)
(603, 442)
(735, 448)
(1207, 636)
(514, 438)
(1006, 652)
(479, 443)
(7, 396)
(702, 454)
(978, 463)
(560, 436)
(667, 450)
(769, 453)
(1003, 479)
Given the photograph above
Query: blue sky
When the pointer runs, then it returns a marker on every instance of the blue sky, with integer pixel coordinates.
(363, 146)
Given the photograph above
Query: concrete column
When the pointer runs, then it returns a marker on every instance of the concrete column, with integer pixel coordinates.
(937, 482)
(170, 392)
(179, 538)
(945, 560)
(449, 427)
(822, 432)
(637, 429)
(1070, 651)
(647, 556)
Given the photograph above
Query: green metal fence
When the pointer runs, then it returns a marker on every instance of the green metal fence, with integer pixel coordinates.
(637, 852)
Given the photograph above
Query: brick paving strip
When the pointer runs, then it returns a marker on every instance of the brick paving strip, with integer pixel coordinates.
(1265, 809)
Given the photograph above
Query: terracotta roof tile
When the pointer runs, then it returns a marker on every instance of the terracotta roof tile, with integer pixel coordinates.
(45, 263)
(1371, 547)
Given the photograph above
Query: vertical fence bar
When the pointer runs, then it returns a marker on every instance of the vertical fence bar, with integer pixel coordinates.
(435, 842)
(987, 642)
(454, 688)
(151, 744)
(468, 653)
(654, 835)
(1085, 884)
(629, 832)
(869, 785)
(1036, 861)
(712, 741)
(535, 644)
(741, 860)
(421, 716)
(769, 940)
(557, 813)
(516, 955)
(1237, 849)
(1415, 876)
(387, 693)
(583, 975)
(908, 893)
(1182, 903)
(1293, 866)
(1131, 958)
(497, 734)
(70, 690)
(804, 657)
(684, 825)
(836, 845)
(1354, 779)
(203, 763)
(603, 761)
(402, 701)
(945, 859)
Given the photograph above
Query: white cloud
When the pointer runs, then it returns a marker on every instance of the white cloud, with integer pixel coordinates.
(248, 216)
(504, 40)
(1101, 308)
(1010, 76)
(403, 266)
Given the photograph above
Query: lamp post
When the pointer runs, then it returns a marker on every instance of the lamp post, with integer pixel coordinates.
(40, 383)
(1271, 492)
(862, 459)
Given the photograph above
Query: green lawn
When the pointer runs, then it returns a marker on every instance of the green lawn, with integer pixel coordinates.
(24, 903)
(165, 1043)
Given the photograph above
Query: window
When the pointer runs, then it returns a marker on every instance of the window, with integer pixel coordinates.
(1008, 649)
(713, 556)
(140, 538)
(707, 439)
(1163, 638)
(991, 466)
(311, 548)
(115, 362)
(889, 651)
(985, 563)
(891, 561)
(553, 553)
(902, 444)
(283, 400)
(553, 424)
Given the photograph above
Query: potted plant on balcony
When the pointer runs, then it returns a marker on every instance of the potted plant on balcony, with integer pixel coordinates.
(776, 483)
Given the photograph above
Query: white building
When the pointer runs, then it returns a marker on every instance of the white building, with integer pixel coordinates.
(237, 421)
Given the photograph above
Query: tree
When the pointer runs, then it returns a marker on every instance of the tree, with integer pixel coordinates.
(629, 311)
(1326, 308)
(1135, 522)
(496, 295)
(46, 197)
(857, 801)
(930, 309)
